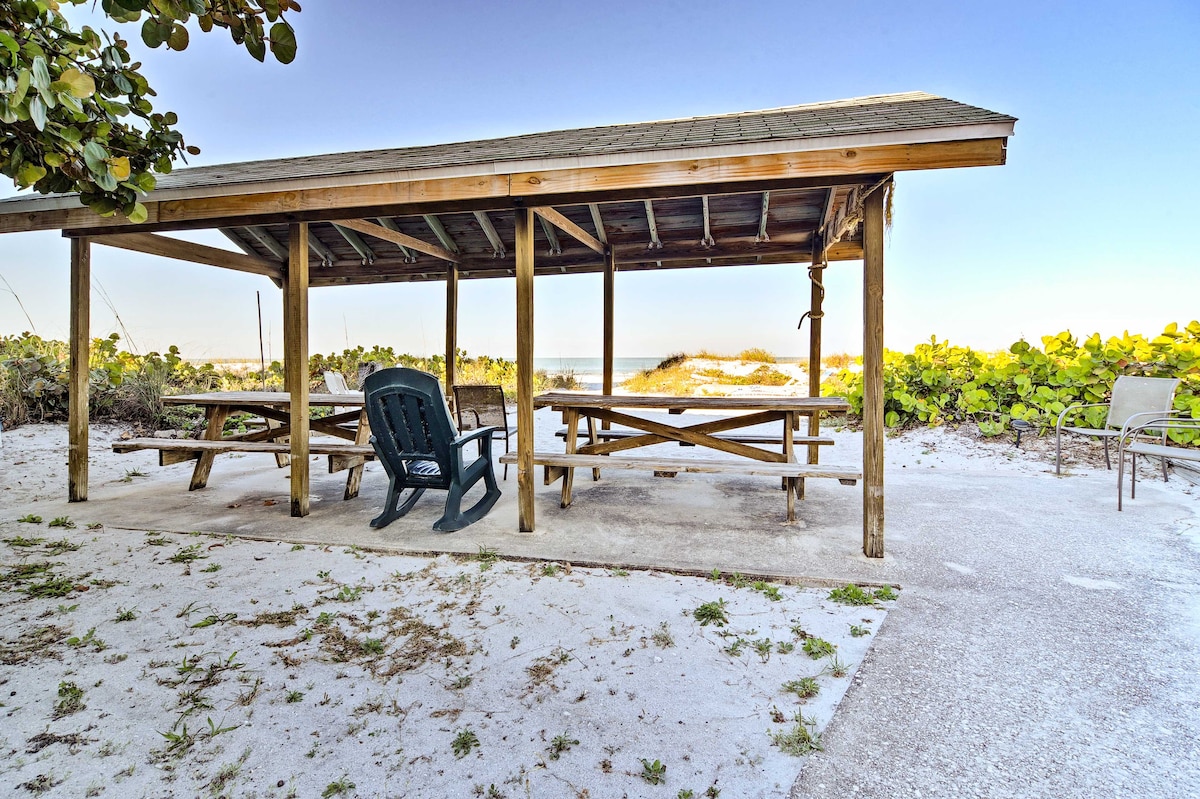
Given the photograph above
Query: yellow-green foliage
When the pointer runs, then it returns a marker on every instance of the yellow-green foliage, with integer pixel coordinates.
(756, 355)
(938, 382)
(762, 376)
(676, 380)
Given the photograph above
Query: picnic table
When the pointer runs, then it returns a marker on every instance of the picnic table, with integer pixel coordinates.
(601, 445)
(348, 422)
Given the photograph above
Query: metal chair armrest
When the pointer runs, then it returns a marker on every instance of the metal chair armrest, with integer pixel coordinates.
(1069, 408)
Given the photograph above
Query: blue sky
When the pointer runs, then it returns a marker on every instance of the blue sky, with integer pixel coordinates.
(1089, 227)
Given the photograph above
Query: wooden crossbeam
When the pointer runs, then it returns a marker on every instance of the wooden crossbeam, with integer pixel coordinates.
(154, 244)
(439, 230)
(573, 230)
(655, 241)
(489, 230)
(409, 255)
(360, 246)
(396, 237)
(235, 237)
(598, 221)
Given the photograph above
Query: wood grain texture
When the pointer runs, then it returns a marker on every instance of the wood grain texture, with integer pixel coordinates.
(550, 187)
(872, 414)
(570, 228)
(694, 465)
(154, 244)
(524, 270)
(815, 321)
(80, 370)
(295, 342)
(396, 237)
(214, 416)
(226, 445)
(562, 399)
(609, 332)
(451, 330)
(263, 398)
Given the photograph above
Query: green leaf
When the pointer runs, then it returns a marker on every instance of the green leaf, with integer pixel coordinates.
(154, 33)
(256, 47)
(96, 158)
(30, 173)
(37, 112)
(138, 215)
(178, 40)
(106, 181)
(23, 78)
(41, 75)
(283, 42)
(9, 42)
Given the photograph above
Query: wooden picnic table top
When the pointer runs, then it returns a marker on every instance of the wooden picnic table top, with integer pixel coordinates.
(563, 399)
(263, 398)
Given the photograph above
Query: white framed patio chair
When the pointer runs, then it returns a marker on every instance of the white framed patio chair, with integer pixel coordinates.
(1132, 398)
(1133, 444)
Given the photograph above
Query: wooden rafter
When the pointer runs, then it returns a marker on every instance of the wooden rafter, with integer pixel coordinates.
(396, 237)
(708, 240)
(598, 221)
(551, 236)
(237, 240)
(390, 224)
(320, 250)
(154, 244)
(762, 217)
(439, 230)
(489, 230)
(553, 217)
(360, 246)
(264, 237)
(655, 241)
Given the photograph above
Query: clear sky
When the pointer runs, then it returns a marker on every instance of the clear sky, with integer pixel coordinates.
(1091, 226)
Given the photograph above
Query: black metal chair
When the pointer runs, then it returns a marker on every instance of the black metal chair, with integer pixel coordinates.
(483, 406)
(416, 441)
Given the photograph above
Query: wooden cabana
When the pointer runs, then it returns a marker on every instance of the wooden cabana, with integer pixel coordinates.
(802, 184)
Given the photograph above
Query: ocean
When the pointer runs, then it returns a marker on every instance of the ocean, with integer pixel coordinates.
(590, 371)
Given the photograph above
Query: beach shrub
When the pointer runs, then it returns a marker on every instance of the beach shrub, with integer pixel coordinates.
(938, 383)
(756, 355)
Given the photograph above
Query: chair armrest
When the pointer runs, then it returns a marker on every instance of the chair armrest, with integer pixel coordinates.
(1069, 408)
(1161, 422)
(1146, 419)
(461, 411)
(473, 434)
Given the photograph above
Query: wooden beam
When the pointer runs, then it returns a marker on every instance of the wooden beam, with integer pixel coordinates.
(439, 230)
(598, 221)
(873, 376)
(489, 230)
(80, 371)
(524, 255)
(655, 241)
(264, 237)
(360, 246)
(570, 228)
(451, 328)
(396, 237)
(318, 247)
(409, 255)
(762, 217)
(154, 244)
(236, 239)
(295, 361)
(551, 237)
(708, 240)
(816, 316)
(610, 272)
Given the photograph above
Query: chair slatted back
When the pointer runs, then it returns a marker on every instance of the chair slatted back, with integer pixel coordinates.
(411, 423)
(487, 401)
(1133, 395)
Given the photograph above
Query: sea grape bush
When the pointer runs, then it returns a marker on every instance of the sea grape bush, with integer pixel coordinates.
(128, 387)
(939, 383)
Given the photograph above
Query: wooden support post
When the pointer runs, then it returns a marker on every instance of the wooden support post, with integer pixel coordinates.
(610, 272)
(524, 258)
(816, 313)
(873, 375)
(295, 364)
(451, 328)
(77, 397)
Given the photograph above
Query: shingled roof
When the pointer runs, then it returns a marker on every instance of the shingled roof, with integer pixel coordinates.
(911, 111)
